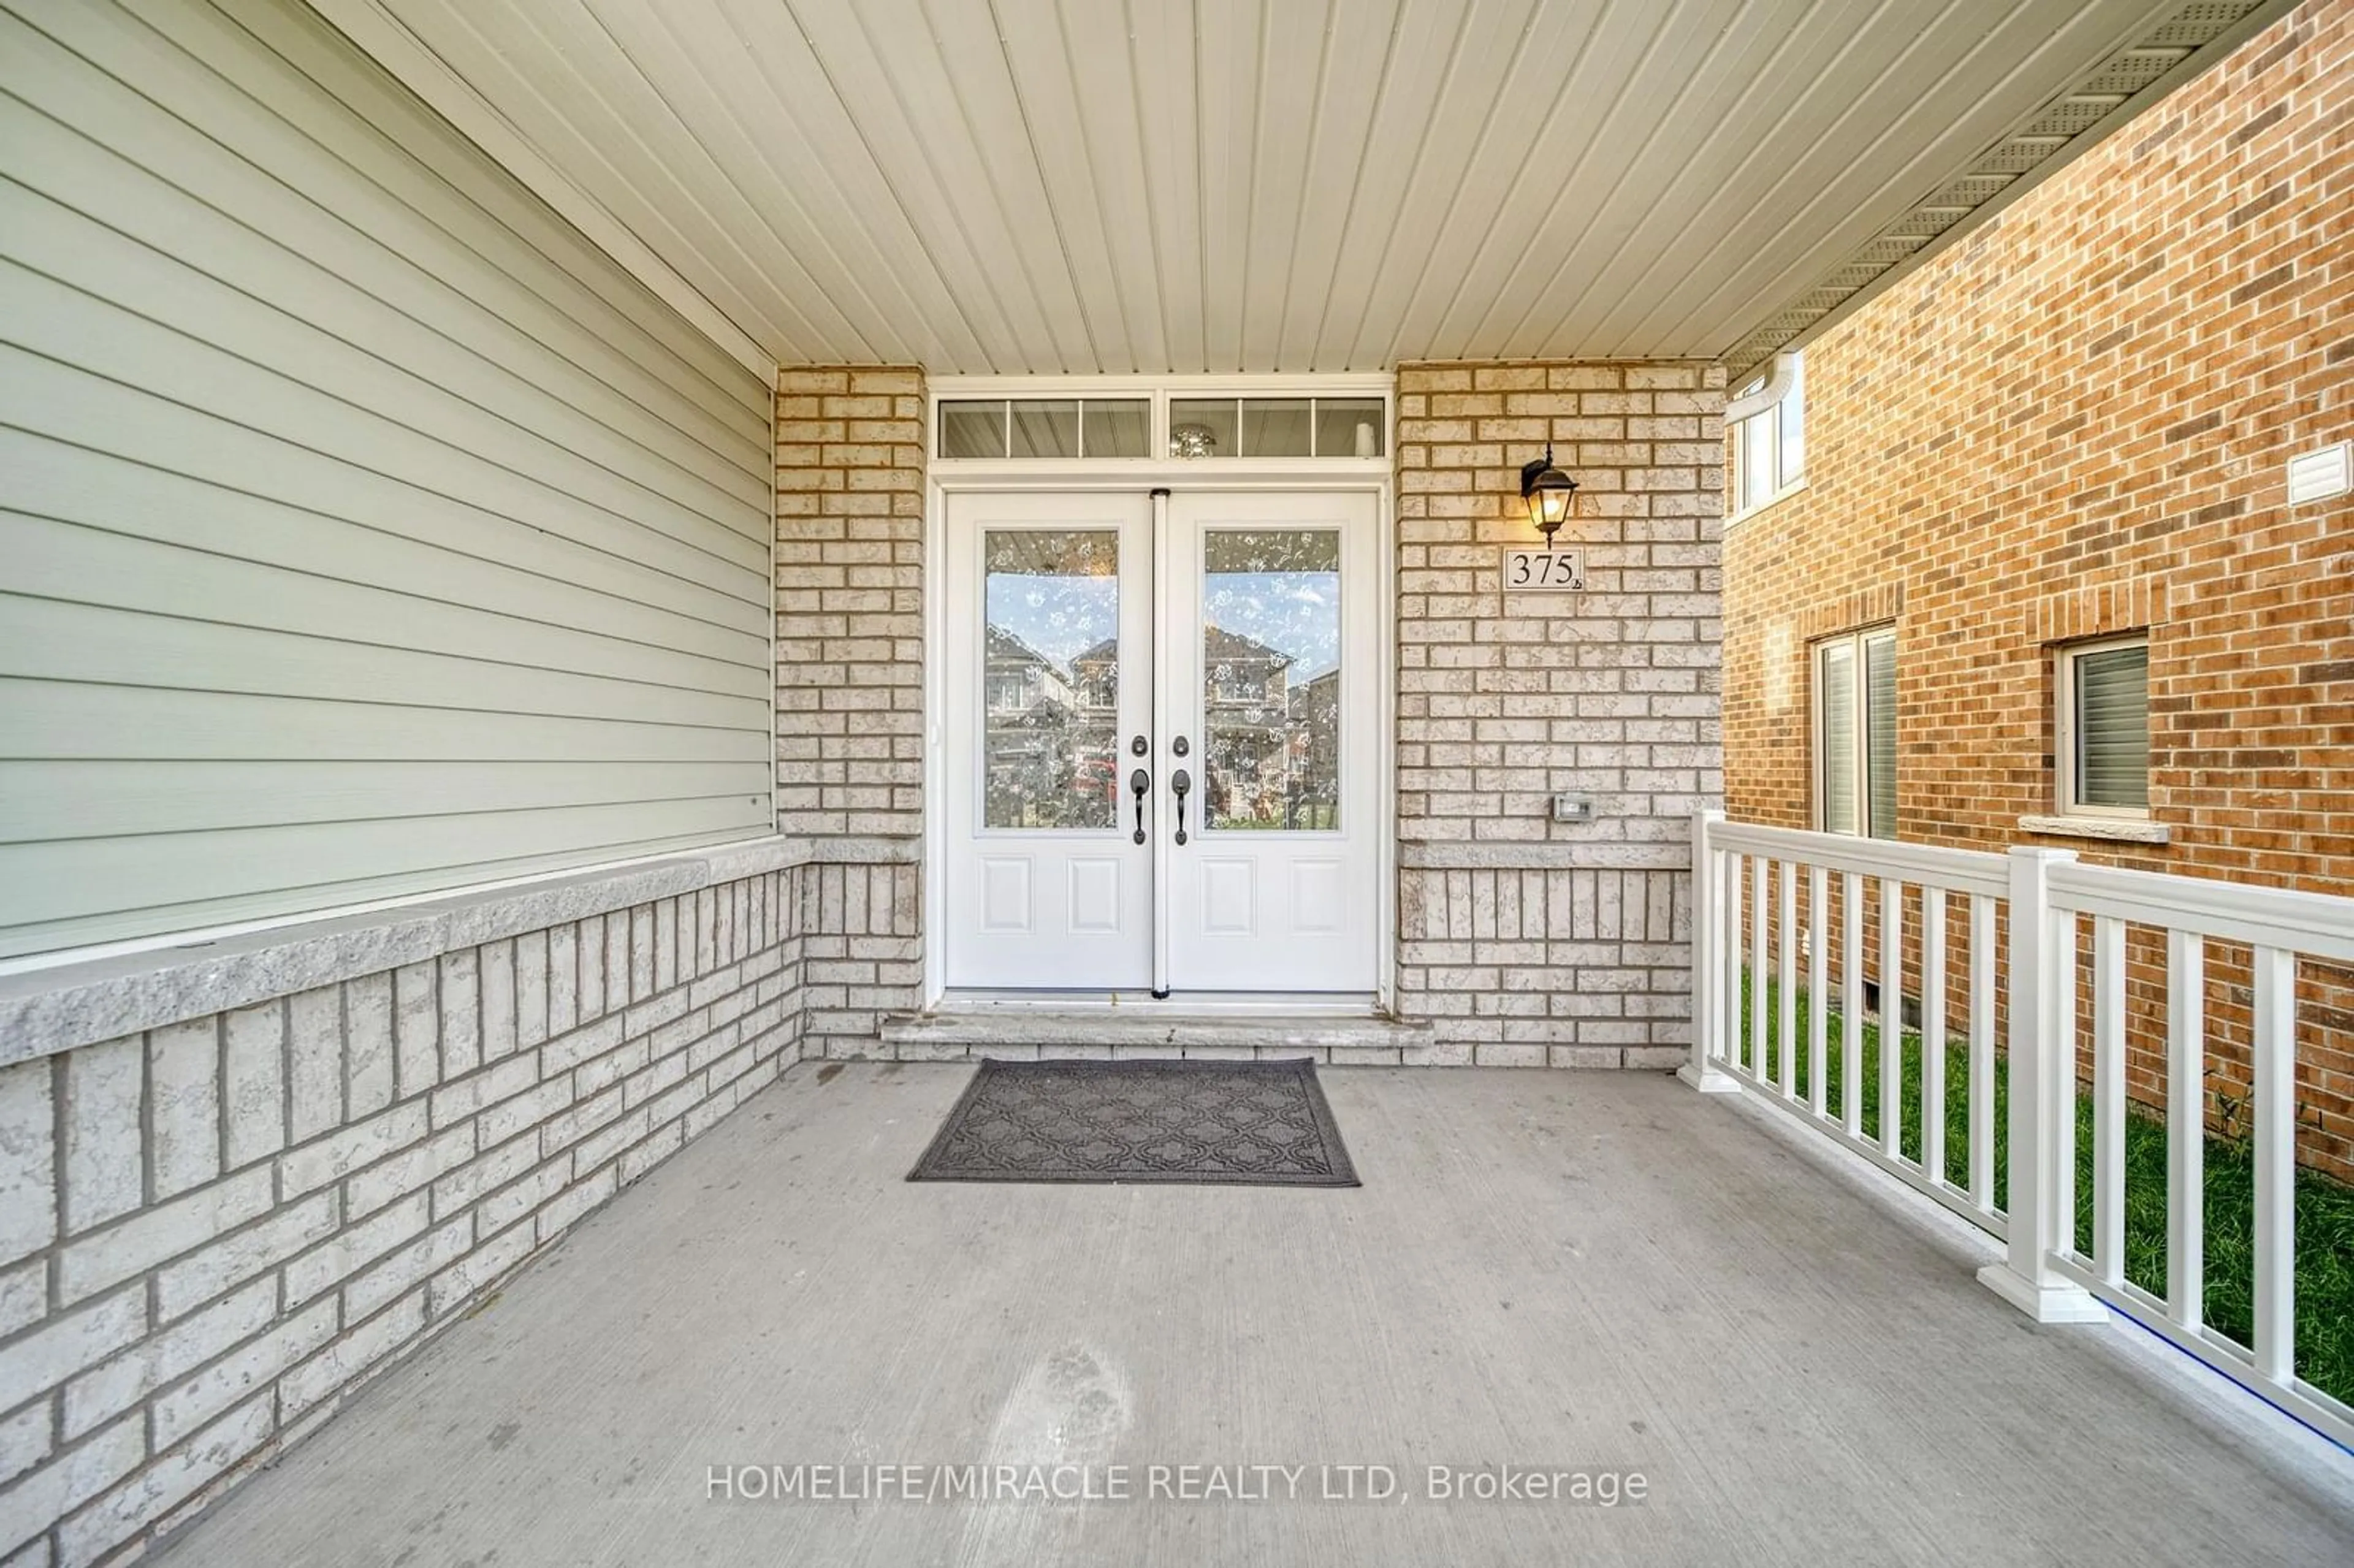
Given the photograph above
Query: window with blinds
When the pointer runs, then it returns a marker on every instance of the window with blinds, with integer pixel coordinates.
(1835, 748)
(1855, 732)
(2104, 750)
(1880, 733)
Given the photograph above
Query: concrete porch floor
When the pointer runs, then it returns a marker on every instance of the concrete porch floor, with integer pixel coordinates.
(1554, 1269)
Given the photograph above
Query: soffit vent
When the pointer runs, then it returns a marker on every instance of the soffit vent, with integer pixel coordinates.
(2056, 129)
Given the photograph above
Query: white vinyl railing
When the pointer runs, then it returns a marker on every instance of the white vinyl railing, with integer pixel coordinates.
(1760, 949)
(1781, 970)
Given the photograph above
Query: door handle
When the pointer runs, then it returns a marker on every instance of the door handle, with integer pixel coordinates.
(1181, 783)
(1138, 783)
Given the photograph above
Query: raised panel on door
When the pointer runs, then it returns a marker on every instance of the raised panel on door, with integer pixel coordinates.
(1273, 665)
(1048, 634)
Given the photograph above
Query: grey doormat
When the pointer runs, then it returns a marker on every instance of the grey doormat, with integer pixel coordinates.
(1262, 1124)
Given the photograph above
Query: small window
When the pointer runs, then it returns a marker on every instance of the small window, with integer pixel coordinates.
(1855, 734)
(1046, 428)
(973, 430)
(1769, 448)
(2101, 736)
(1276, 426)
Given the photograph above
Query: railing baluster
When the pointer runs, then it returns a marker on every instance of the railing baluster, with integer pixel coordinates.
(1704, 1072)
(1786, 1033)
(1852, 1003)
(1933, 1033)
(2185, 1127)
(2274, 1087)
(2064, 1081)
(1761, 913)
(1983, 1131)
(1819, 996)
(1728, 956)
(2109, 1098)
(1892, 1017)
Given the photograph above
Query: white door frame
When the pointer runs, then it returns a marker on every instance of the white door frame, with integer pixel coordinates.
(1376, 476)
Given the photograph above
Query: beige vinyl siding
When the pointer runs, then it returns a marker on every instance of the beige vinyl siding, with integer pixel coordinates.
(365, 531)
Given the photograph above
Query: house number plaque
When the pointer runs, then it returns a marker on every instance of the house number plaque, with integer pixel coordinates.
(1543, 571)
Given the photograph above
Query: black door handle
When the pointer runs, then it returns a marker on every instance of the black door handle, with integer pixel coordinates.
(1138, 783)
(1181, 783)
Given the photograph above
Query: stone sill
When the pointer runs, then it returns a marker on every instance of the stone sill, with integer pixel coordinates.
(1549, 854)
(1766, 505)
(2117, 830)
(78, 1003)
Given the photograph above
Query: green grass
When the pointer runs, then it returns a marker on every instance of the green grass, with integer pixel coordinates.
(2325, 1207)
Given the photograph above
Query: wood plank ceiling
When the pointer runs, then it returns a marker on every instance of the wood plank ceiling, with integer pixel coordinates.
(1118, 186)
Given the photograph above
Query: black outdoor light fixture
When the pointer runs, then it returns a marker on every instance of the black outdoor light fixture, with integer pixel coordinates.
(1547, 491)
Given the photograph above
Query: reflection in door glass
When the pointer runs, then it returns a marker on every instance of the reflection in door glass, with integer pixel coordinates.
(1271, 678)
(1050, 679)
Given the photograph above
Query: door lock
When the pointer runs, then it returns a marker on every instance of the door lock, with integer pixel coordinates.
(1139, 747)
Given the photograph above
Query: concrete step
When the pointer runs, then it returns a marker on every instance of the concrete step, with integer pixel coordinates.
(1022, 1033)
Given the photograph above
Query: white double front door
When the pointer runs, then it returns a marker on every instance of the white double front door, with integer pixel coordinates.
(1161, 741)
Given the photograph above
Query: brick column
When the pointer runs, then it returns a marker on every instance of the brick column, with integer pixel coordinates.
(1530, 942)
(850, 686)
(850, 603)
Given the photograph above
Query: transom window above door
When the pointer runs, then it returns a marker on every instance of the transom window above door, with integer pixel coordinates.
(1046, 428)
(1043, 421)
(1276, 426)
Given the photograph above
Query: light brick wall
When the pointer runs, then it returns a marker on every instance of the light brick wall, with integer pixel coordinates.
(1527, 941)
(850, 686)
(864, 955)
(2075, 422)
(212, 1232)
(850, 603)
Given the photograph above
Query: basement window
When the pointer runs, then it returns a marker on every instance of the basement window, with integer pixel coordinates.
(2101, 729)
(1855, 732)
(1768, 449)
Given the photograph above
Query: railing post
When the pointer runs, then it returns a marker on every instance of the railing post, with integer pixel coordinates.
(2042, 1184)
(1708, 1000)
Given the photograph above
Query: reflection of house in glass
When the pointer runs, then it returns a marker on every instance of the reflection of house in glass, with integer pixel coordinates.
(1096, 674)
(1022, 679)
(1049, 747)
(1313, 798)
(1273, 757)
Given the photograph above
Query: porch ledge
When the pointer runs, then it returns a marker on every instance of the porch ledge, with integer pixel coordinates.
(2122, 830)
(46, 1010)
(1118, 1032)
(1539, 854)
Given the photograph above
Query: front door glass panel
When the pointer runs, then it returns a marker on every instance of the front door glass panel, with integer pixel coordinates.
(1050, 681)
(1271, 679)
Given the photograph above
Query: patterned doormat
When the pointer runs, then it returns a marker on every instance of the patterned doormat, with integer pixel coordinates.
(1262, 1124)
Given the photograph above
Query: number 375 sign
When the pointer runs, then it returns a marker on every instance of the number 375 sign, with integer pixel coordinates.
(1535, 571)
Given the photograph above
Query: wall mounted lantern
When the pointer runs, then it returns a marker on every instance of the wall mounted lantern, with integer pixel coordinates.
(1547, 491)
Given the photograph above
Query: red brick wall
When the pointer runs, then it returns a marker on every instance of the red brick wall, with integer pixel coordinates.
(2073, 421)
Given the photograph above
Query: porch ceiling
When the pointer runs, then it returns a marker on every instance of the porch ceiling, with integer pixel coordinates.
(1073, 186)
